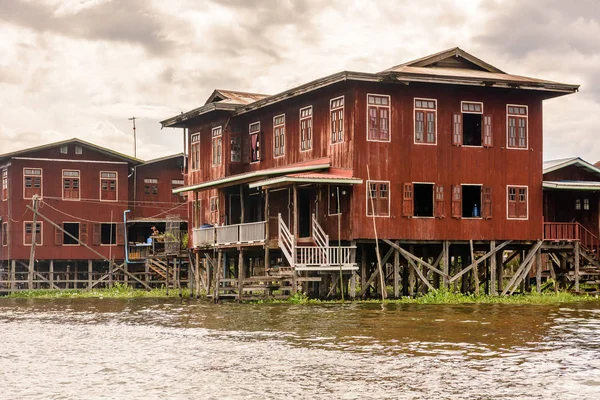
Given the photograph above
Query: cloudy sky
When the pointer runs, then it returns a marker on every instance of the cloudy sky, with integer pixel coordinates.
(81, 68)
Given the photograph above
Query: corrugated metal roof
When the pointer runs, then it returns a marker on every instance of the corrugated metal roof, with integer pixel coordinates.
(571, 185)
(554, 165)
(234, 97)
(332, 176)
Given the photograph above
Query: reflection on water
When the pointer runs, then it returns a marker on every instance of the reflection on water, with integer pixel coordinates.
(82, 348)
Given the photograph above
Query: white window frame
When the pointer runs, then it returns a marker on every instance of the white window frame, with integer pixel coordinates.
(462, 195)
(41, 175)
(369, 198)
(32, 227)
(300, 119)
(260, 149)
(389, 117)
(64, 233)
(284, 138)
(336, 109)
(462, 123)
(78, 149)
(220, 137)
(526, 128)
(433, 184)
(63, 183)
(64, 149)
(116, 185)
(195, 142)
(517, 194)
(415, 109)
(5, 184)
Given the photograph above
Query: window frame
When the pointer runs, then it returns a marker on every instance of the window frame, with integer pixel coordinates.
(389, 108)
(116, 179)
(217, 137)
(462, 123)
(113, 237)
(433, 200)
(425, 111)
(41, 176)
(64, 147)
(78, 149)
(195, 151)
(71, 178)
(462, 198)
(517, 117)
(41, 233)
(214, 213)
(5, 184)
(309, 128)
(377, 199)
(254, 151)
(517, 201)
(282, 136)
(336, 111)
(62, 225)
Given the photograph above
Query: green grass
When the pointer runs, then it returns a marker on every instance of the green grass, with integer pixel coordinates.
(118, 291)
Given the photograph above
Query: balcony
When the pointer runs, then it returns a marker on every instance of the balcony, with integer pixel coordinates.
(250, 233)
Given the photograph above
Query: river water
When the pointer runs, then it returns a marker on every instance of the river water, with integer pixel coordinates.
(173, 349)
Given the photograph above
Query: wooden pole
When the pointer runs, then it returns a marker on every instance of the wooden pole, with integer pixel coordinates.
(493, 269)
(446, 267)
(242, 214)
(381, 277)
(167, 275)
(217, 273)
(90, 274)
(339, 221)
(396, 273)
(363, 268)
(51, 273)
(475, 270)
(576, 261)
(411, 274)
(538, 272)
(295, 227)
(267, 260)
(240, 275)
(33, 242)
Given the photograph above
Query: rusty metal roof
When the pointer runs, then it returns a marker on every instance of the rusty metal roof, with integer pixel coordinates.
(234, 97)
(331, 176)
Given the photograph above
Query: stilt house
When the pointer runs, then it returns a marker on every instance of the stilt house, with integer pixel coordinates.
(437, 158)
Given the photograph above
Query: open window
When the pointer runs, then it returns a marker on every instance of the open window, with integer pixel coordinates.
(73, 229)
(471, 127)
(108, 233)
(476, 201)
(423, 199)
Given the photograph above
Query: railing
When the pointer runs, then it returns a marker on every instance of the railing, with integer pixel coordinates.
(328, 256)
(341, 255)
(320, 237)
(572, 231)
(287, 242)
(230, 234)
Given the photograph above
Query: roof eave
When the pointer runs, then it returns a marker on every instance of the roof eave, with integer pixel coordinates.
(284, 179)
(180, 121)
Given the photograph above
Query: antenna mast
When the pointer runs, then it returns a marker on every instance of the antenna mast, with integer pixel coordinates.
(134, 138)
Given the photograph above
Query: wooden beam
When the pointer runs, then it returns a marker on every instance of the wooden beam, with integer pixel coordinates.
(493, 269)
(446, 267)
(538, 271)
(475, 270)
(524, 264)
(480, 259)
(576, 262)
(33, 243)
(396, 272)
(408, 255)
(420, 273)
(523, 275)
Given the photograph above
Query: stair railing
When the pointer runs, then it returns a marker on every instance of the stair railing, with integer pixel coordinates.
(287, 242)
(321, 239)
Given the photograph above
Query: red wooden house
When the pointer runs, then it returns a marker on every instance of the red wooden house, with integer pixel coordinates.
(440, 158)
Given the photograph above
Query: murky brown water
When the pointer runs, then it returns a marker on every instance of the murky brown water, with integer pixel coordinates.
(147, 349)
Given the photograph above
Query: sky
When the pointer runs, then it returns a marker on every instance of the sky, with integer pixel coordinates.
(81, 68)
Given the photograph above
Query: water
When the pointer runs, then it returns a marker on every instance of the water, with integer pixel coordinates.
(167, 349)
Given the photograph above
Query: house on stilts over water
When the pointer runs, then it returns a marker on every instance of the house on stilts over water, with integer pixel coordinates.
(431, 169)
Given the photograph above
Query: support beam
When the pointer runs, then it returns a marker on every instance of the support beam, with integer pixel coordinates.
(409, 255)
(446, 266)
(576, 262)
(493, 269)
(420, 273)
(240, 275)
(480, 259)
(538, 272)
(33, 243)
(90, 274)
(475, 270)
(396, 273)
(515, 279)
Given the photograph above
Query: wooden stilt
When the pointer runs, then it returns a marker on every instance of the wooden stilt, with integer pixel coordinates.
(411, 275)
(51, 273)
(396, 273)
(446, 261)
(576, 263)
(13, 274)
(240, 275)
(363, 270)
(197, 275)
(493, 270)
(353, 285)
(475, 270)
(90, 274)
(538, 271)
(217, 277)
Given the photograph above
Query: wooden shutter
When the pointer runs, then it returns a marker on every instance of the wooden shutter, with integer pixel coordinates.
(457, 129)
(96, 234)
(120, 233)
(486, 211)
(246, 149)
(372, 198)
(408, 205)
(512, 202)
(439, 201)
(487, 131)
(58, 236)
(521, 203)
(383, 195)
(456, 201)
(83, 234)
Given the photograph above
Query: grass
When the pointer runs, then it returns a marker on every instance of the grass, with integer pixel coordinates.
(118, 291)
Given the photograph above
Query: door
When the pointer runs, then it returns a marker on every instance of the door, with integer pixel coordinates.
(305, 197)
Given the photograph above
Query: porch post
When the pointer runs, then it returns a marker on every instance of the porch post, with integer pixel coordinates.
(576, 261)
(295, 211)
(267, 261)
(242, 204)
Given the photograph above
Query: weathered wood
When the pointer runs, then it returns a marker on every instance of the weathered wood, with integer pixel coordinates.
(538, 272)
(523, 266)
(240, 274)
(352, 285)
(33, 242)
(446, 261)
(420, 273)
(493, 270)
(409, 255)
(475, 270)
(217, 277)
(364, 289)
(51, 273)
(480, 259)
(523, 275)
(396, 273)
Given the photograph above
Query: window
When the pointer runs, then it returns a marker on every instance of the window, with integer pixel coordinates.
(5, 184)
(338, 200)
(423, 199)
(64, 149)
(425, 121)
(471, 127)
(195, 151)
(177, 197)
(439, 202)
(5, 234)
(108, 186)
(28, 233)
(517, 202)
(73, 229)
(78, 149)
(217, 145)
(254, 130)
(516, 121)
(578, 204)
(150, 188)
(32, 182)
(279, 135)
(236, 149)
(108, 233)
(336, 112)
(306, 122)
(214, 210)
(378, 198)
(471, 201)
(378, 118)
(70, 183)
(586, 204)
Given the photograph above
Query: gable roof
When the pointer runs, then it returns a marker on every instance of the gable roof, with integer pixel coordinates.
(165, 158)
(453, 66)
(553, 165)
(452, 58)
(100, 149)
(234, 97)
